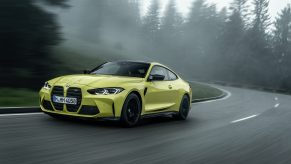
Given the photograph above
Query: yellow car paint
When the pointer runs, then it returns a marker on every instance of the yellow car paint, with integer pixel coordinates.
(160, 96)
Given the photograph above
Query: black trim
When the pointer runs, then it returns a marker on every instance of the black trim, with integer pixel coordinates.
(158, 110)
(177, 77)
(96, 67)
(122, 61)
(161, 114)
(58, 91)
(89, 110)
(83, 118)
(113, 109)
(75, 93)
(167, 72)
(145, 91)
(47, 105)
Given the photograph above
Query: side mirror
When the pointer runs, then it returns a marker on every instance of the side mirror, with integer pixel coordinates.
(86, 71)
(156, 78)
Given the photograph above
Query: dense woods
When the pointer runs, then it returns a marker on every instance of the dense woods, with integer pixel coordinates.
(239, 44)
(26, 34)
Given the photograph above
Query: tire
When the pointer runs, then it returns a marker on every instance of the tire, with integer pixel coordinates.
(131, 111)
(184, 109)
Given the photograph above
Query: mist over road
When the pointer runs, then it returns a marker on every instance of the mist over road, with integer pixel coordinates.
(248, 127)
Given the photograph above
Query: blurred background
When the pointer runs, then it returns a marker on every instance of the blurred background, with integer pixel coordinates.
(246, 42)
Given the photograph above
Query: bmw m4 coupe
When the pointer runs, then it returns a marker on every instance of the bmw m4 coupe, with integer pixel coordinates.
(124, 90)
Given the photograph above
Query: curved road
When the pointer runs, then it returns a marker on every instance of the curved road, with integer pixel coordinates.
(248, 127)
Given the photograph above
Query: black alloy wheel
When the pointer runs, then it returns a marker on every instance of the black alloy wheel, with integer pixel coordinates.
(184, 108)
(131, 111)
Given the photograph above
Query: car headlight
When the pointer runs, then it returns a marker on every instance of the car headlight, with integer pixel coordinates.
(105, 91)
(47, 86)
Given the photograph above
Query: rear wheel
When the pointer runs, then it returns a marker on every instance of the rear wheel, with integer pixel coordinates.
(184, 109)
(131, 111)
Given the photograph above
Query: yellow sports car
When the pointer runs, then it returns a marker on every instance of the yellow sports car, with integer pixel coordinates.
(122, 90)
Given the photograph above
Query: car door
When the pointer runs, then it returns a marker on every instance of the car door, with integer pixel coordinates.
(174, 87)
(159, 93)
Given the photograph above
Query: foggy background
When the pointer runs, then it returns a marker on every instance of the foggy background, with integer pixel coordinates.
(241, 43)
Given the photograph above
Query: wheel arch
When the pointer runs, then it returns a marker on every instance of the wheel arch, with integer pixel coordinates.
(187, 94)
(123, 117)
(139, 97)
(183, 92)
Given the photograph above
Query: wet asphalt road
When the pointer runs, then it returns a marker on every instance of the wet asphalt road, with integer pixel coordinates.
(216, 132)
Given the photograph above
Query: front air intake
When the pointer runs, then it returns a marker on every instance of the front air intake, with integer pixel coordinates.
(74, 92)
(89, 110)
(47, 105)
(57, 91)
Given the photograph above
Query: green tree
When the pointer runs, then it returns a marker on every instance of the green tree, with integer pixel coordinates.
(27, 32)
(232, 46)
(170, 32)
(258, 67)
(171, 22)
(241, 8)
(262, 18)
(199, 30)
(282, 45)
(151, 27)
(201, 35)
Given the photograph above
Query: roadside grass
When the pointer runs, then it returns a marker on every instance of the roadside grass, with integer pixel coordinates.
(69, 61)
(201, 91)
(24, 97)
(18, 97)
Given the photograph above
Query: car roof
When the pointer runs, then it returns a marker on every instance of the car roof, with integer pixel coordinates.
(151, 63)
(138, 61)
(132, 61)
(145, 62)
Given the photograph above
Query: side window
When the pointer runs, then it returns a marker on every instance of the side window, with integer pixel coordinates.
(157, 70)
(172, 76)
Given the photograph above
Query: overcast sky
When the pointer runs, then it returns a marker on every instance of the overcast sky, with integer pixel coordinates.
(184, 5)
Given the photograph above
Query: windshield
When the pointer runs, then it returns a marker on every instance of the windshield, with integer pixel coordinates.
(131, 69)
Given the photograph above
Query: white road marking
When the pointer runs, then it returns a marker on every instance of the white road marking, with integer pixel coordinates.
(276, 98)
(19, 114)
(242, 119)
(276, 105)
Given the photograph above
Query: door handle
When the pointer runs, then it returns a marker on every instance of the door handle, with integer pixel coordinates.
(170, 86)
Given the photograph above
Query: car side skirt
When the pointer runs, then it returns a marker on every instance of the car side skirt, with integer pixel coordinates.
(160, 114)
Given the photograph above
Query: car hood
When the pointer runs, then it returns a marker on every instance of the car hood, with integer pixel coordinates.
(95, 80)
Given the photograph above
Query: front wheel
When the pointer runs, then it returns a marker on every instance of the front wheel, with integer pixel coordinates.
(131, 111)
(184, 109)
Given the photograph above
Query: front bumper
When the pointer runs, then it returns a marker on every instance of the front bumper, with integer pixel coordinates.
(91, 106)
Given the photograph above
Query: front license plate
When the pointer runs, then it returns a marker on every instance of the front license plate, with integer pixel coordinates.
(64, 100)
